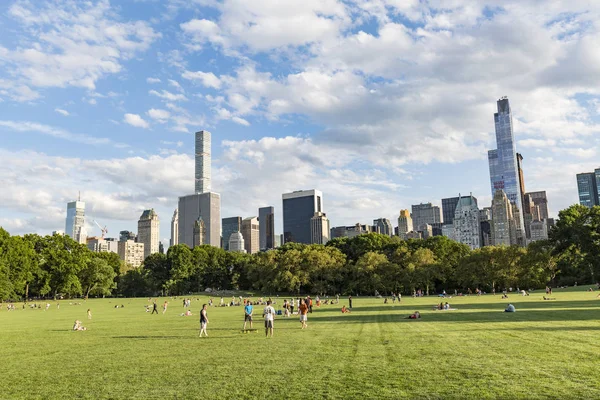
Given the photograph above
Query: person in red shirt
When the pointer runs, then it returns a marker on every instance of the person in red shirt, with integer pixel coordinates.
(303, 309)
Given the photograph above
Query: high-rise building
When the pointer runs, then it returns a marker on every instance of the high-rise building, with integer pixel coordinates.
(175, 228)
(466, 222)
(75, 224)
(230, 225)
(448, 209)
(425, 214)
(405, 224)
(199, 232)
(206, 206)
(504, 169)
(102, 245)
(278, 241)
(319, 228)
(521, 178)
(503, 223)
(236, 243)
(485, 226)
(203, 162)
(251, 234)
(426, 231)
(298, 209)
(266, 222)
(448, 231)
(131, 253)
(539, 230)
(127, 235)
(149, 231)
(414, 235)
(383, 226)
(349, 231)
(588, 189)
(541, 201)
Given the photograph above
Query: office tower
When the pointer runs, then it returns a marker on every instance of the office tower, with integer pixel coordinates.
(426, 231)
(383, 226)
(466, 222)
(436, 228)
(236, 243)
(230, 225)
(541, 202)
(587, 188)
(199, 233)
(102, 245)
(504, 171)
(161, 248)
(485, 226)
(448, 231)
(266, 223)
(278, 241)
(127, 235)
(319, 228)
(349, 231)
(298, 209)
(503, 223)
(405, 224)
(597, 173)
(251, 234)
(414, 235)
(206, 206)
(539, 231)
(425, 214)
(75, 224)
(448, 209)
(203, 162)
(131, 253)
(149, 231)
(175, 228)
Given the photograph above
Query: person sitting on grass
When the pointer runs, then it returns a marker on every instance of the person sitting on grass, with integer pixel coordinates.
(549, 298)
(345, 310)
(78, 327)
(504, 296)
(510, 308)
(415, 315)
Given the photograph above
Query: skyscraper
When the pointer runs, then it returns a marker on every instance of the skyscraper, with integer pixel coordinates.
(587, 188)
(175, 228)
(466, 222)
(206, 206)
(405, 224)
(75, 224)
(131, 252)
(236, 243)
(230, 226)
(149, 231)
(251, 234)
(541, 201)
(503, 223)
(199, 232)
(425, 214)
(319, 228)
(266, 223)
(504, 171)
(298, 209)
(383, 226)
(203, 162)
(448, 209)
(349, 231)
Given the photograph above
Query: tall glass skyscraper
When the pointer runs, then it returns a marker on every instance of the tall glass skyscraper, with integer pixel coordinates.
(230, 225)
(504, 172)
(298, 209)
(266, 223)
(75, 223)
(202, 181)
(587, 188)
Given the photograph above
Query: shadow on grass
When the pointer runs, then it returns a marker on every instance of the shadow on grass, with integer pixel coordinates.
(161, 337)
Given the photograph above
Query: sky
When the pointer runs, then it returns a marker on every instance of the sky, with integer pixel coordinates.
(380, 104)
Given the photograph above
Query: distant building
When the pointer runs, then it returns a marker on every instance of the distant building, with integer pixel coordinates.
(251, 234)
(206, 206)
(539, 230)
(448, 231)
(426, 231)
(425, 214)
(266, 223)
(350, 231)
(541, 201)
(199, 233)
(203, 162)
(319, 228)
(448, 209)
(102, 245)
(466, 222)
(414, 235)
(161, 248)
(587, 188)
(127, 235)
(131, 253)
(278, 241)
(75, 224)
(405, 224)
(236, 243)
(383, 226)
(298, 209)
(503, 223)
(149, 231)
(230, 225)
(485, 226)
(175, 228)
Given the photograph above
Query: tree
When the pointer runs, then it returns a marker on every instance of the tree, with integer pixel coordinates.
(157, 269)
(97, 277)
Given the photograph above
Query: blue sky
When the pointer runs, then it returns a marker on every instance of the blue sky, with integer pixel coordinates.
(380, 104)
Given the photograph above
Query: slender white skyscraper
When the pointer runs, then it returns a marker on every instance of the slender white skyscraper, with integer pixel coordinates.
(75, 225)
(175, 228)
(202, 162)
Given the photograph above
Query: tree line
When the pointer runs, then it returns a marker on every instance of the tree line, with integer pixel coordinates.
(51, 266)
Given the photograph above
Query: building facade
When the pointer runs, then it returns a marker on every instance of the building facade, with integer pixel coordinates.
(236, 243)
(539, 230)
(131, 253)
(448, 209)
(426, 231)
(251, 234)
(319, 228)
(425, 213)
(203, 162)
(383, 226)
(298, 209)
(503, 227)
(405, 224)
(75, 223)
(206, 206)
(230, 225)
(541, 202)
(149, 231)
(587, 188)
(467, 229)
(349, 231)
(174, 228)
(102, 245)
(199, 232)
(266, 223)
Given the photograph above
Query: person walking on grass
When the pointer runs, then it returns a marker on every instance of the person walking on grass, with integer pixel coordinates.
(350, 302)
(165, 306)
(303, 311)
(154, 308)
(269, 314)
(203, 321)
(89, 312)
(248, 310)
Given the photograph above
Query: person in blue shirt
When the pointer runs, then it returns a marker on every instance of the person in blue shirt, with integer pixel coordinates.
(248, 309)
(510, 308)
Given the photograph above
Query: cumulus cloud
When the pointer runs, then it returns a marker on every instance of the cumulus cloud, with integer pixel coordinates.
(168, 96)
(135, 120)
(62, 112)
(159, 115)
(207, 79)
(153, 80)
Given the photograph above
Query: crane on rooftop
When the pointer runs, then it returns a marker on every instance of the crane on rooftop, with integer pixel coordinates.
(104, 230)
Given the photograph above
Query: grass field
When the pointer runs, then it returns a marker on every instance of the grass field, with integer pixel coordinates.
(547, 349)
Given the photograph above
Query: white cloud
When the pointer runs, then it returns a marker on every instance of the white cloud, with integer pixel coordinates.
(175, 84)
(159, 115)
(166, 95)
(135, 120)
(153, 80)
(207, 79)
(62, 112)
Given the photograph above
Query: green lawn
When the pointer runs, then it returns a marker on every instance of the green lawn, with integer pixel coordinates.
(547, 349)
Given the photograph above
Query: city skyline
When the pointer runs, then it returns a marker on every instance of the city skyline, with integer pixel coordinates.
(120, 128)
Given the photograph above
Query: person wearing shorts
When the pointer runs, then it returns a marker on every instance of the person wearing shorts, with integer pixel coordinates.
(303, 311)
(203, 321)
(248, 309)
(269, 314)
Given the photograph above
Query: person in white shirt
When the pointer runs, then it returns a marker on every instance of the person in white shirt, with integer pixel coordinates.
(269, 314)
